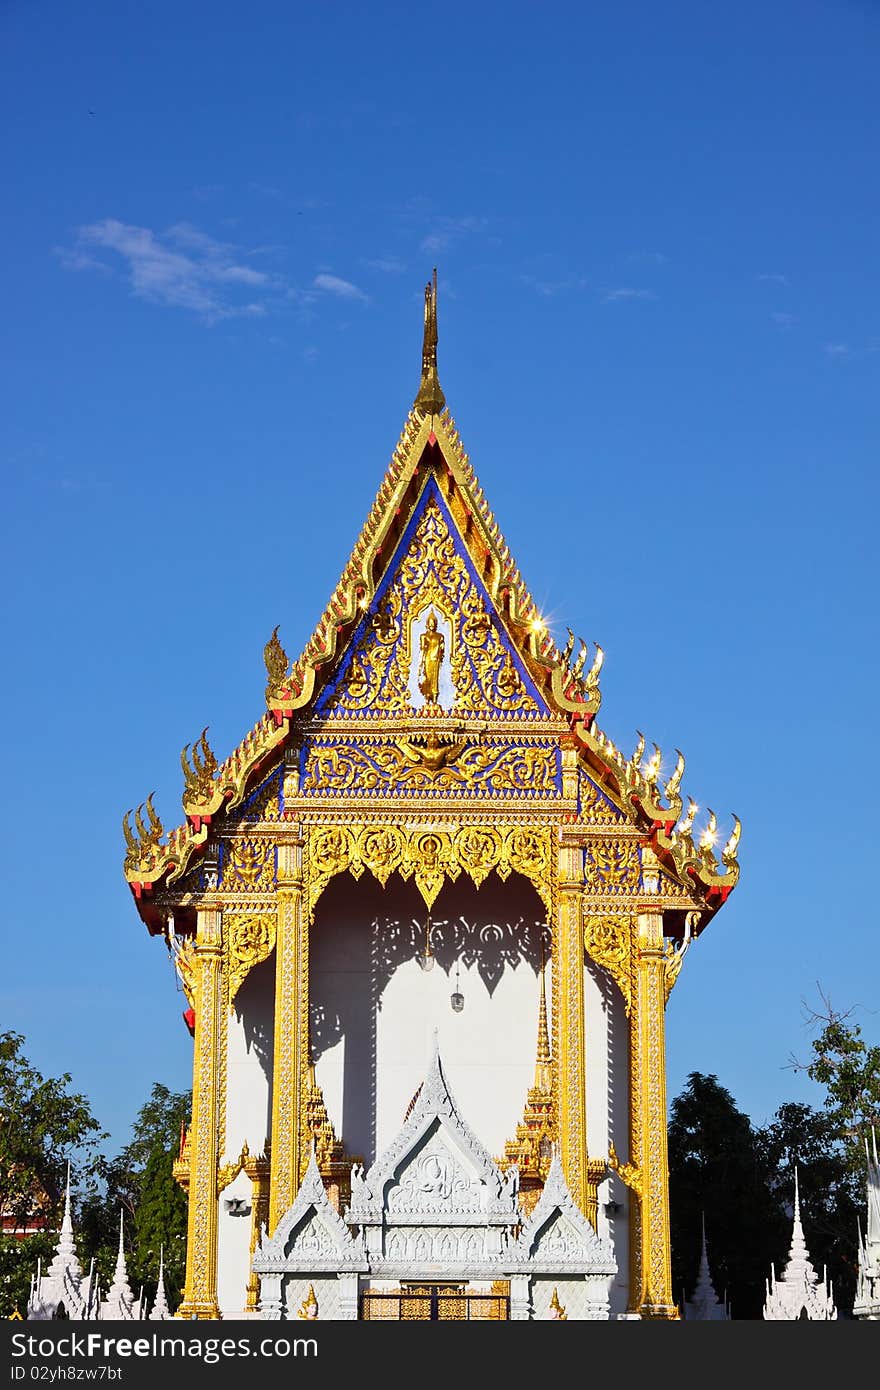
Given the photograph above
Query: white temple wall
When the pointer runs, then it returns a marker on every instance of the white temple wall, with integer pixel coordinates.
(250, 1029)
(607, 1076)
(375, 1009)
(233, 1246)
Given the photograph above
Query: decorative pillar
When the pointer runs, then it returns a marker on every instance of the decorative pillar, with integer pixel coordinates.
(291, 1031)
(257, 1170)
(568, 1022)
(200, 1292)
(651, 1290)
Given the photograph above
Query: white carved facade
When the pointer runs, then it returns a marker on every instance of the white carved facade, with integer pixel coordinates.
(434, 1207)
(374, 1011)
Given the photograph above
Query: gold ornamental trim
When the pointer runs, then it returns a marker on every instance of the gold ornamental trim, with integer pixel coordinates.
(429, 856)
(608, 942)
(248, 941)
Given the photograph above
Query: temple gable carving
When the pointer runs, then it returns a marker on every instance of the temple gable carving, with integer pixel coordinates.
(432, 641)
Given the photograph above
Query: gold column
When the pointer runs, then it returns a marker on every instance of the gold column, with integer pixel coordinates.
(568, 1022)
(651, 1290)
(258, 1171)
(291, 1031)
(200, 1293)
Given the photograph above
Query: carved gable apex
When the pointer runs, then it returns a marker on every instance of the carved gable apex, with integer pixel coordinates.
(436, 1164)
(558, 1237)
(311, 1235)
(432, 639)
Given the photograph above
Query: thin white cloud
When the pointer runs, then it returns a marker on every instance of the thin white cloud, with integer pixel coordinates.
(549, 288)
(79, 260)
(784, 320)
(388, 265)
(182, 268)
(651, 257)
(775, 279)
(447, 230)
(625, 292)
(837, 350)
(343, 289)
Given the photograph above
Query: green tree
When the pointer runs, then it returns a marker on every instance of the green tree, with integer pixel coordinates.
(43, 1124)
(716, 1172)
(849, 1069)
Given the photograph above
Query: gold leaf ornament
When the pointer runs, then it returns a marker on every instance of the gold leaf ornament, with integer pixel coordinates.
(607, 941)
(250, 941)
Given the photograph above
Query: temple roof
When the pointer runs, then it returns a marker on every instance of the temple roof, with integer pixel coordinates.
(430, 455)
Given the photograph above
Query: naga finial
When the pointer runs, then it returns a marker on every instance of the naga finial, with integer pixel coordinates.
(728, 854)
(652, 771)
(592, 679)
(430, 399)
(635, 761)
(132, 844)
(275, 658)
(684, 827)
(672, 786)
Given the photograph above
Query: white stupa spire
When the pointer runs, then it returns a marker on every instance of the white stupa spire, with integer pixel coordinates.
(161, 1311)
(65, 1251)
(798, 1292)
(63, 1282)
(120, 1303)
(867, 1300)
(705, 1305)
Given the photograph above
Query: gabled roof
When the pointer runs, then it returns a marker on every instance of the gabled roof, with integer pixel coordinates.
(311, 1235)
(557, 1238)
(430, 448)
(487, 1196)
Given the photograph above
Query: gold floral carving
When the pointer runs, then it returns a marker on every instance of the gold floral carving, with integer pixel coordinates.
(488, 767)
(249, 866)
(228, 1172)
(428, 856)
(479, 851)
(432, 572)
(612, 866)
(249, 940)
(607, 941)
(568, 990)
(596, 809)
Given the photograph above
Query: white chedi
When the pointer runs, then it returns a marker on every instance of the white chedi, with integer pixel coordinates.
(798, 1292)
(705, 1305)
(63, 1290)
(160, 1310)
(120, 1305)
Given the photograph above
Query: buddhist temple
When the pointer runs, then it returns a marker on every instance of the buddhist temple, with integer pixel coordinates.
(427, 917)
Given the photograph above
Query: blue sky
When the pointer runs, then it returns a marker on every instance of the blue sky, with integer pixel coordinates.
(655, 229)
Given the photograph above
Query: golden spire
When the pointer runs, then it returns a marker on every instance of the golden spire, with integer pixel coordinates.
(543, 1080)
(430, 399)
